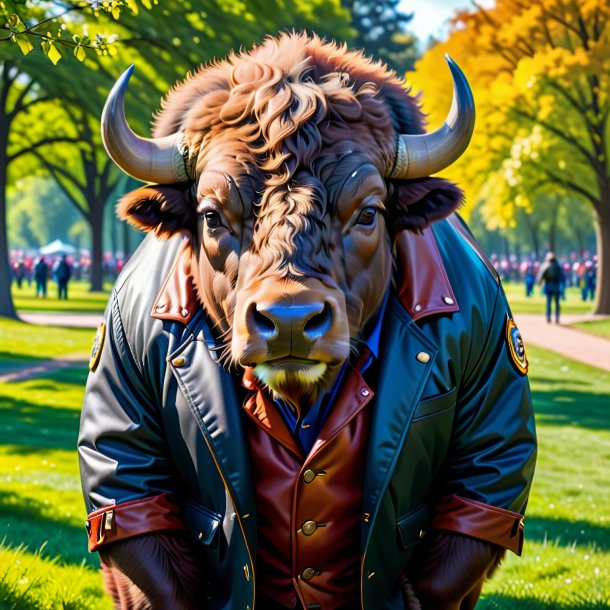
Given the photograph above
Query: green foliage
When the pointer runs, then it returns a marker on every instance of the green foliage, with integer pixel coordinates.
(61, 24)
(382, 32)
(30, 201)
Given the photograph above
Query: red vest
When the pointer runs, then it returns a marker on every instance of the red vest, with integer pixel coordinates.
(309, 507)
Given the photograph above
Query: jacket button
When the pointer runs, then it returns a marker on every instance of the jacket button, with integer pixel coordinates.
(309, 527)
(448, 300)
(423, 357)
(178, 362)
(422, 533)
(308, 574)
(309, 475)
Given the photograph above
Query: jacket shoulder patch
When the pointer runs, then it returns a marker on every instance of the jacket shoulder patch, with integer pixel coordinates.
(516, 347)
(98, 343)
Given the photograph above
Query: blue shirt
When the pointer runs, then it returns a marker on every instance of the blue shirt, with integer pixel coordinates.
(308, 429)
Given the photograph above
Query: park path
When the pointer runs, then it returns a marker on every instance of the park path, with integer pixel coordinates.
(564, 340)
(23, 372)
(69, 320)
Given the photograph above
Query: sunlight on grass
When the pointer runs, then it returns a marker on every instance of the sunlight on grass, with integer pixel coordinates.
(26, 343)
(81, 299)
(600, 328)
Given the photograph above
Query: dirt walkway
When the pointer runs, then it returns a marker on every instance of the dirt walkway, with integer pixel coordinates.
(564, 340)
(69, 320)
(24, 372)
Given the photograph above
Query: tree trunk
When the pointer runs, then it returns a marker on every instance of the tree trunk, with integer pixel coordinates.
(602, 231)
(7, 309)
(96, 221)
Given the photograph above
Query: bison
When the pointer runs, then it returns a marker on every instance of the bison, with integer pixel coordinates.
(306, 392)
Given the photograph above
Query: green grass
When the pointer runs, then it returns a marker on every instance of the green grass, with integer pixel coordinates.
(81, 300)
(27, 344)
(519, 303)
(600, 328)
(566, 560)
(44, 563)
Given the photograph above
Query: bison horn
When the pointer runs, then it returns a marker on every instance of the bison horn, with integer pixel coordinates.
(159, 160)
(418, 156)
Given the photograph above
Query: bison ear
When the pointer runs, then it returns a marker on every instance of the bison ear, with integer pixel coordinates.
(415, 204)
(163, 210)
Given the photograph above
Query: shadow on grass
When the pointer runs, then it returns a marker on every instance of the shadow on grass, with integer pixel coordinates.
(572, 408)
(35, 427)
(566, 533)
(509, 602)
(10, 361)
(26, 521)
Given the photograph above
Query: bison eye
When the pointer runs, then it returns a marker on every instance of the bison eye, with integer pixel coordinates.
(367, 217)
(212, 219)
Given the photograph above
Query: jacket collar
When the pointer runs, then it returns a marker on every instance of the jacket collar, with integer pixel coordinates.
(424, 287)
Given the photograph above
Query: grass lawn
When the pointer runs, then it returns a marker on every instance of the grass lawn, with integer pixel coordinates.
(601, 328)
(44, 563)
(519, 303)
(24, 343)
(80, 299)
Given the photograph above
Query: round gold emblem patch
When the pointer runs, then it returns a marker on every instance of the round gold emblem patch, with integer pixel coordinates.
(98, 343)
(516, 347)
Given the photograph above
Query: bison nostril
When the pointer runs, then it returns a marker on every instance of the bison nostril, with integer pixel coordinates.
(319, 324)
(265, 325)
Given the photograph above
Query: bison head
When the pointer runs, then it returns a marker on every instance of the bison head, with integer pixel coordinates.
(290, 168)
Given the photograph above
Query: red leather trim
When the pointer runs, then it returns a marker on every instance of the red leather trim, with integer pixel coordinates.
(120, 521)
(177, 299)
(478, 520)
(424, 287)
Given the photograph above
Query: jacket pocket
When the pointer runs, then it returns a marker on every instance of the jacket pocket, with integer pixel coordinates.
(412, 526)
(202, 522)
(435, 404)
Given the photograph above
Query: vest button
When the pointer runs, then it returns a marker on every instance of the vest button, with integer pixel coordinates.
(309, 527)
(309, 475)
(308, 573)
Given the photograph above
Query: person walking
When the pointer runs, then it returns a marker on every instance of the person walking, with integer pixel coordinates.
(551, 278)
(62, 277)
(41, 276)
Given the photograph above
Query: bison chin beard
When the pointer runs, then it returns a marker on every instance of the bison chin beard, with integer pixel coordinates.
(299, 384)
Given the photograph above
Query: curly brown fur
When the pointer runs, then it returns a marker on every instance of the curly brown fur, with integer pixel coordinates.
(448, 570)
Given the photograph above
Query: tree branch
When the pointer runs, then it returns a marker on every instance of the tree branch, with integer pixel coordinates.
(559, 133)
(574, 187)
(43, 142)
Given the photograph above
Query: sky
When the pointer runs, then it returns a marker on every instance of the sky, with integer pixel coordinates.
(432, 16)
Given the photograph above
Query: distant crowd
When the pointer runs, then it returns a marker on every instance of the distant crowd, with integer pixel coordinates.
(573, 271)
(28, 271)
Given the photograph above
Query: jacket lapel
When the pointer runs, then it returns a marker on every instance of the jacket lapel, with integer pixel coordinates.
(212, 398)
(407, 358)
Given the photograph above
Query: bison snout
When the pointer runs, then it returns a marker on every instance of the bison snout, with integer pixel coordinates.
(291, 320)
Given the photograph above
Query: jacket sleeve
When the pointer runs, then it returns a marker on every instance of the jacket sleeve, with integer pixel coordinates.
(491, 459)
(126, 474)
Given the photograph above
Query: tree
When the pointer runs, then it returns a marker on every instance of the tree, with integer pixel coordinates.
(540, 71)
(382, 32)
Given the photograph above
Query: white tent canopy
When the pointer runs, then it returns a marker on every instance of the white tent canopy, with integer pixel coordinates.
(57, 247)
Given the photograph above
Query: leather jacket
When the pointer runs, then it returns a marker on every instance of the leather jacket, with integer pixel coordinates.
(451, 440)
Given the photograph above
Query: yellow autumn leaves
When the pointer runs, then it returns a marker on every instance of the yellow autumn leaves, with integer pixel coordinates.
(540, 73)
